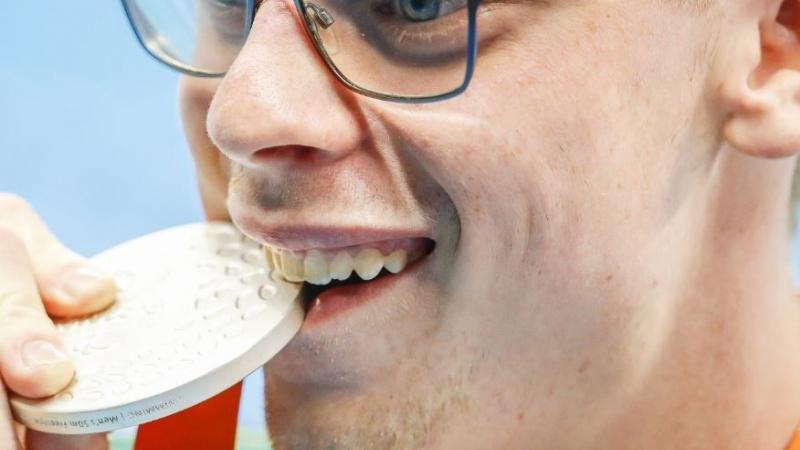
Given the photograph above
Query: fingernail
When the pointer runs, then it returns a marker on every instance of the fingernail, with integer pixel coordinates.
(81, 282)
(41, 353)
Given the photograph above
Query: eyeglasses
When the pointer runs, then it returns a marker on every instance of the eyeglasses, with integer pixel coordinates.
(410, 51)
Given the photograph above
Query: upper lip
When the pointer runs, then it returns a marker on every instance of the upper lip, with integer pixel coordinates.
(298, 237)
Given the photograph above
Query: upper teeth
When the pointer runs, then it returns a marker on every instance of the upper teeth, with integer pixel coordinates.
(341, 267)
(317, 268)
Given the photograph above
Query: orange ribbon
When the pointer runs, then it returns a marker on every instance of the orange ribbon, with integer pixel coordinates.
(795, 444)
(208, 425)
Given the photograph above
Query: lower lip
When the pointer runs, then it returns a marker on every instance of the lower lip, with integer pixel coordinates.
(335, 302)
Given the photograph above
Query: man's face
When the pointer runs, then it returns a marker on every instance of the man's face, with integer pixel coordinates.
(560, 192)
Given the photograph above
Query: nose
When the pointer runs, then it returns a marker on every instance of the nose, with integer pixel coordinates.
(279, 102)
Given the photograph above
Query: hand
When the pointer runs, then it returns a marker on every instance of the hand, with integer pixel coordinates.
(40, 279)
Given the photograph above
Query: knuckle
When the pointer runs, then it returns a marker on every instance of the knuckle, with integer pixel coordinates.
(17, 309)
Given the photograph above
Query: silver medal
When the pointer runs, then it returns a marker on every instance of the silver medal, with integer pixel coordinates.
(199, 308)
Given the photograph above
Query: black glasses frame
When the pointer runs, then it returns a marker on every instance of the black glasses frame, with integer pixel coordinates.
(303, 9)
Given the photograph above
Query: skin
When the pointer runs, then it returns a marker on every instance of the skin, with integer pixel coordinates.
(611, 269)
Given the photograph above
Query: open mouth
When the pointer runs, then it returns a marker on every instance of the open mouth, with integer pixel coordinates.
(347, 271)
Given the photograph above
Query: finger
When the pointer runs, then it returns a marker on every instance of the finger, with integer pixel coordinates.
(8, 435)
(33, 361)
(69, 286)
(20, 429)
(36, 440)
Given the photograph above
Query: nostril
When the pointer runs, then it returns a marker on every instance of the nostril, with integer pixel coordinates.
(289, 153)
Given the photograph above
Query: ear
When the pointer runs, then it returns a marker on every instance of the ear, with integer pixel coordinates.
(765, 99)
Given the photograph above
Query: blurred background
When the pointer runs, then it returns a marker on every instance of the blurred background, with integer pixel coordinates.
(90, 135)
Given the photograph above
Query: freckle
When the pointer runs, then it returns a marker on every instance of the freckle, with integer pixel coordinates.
(520, 416)
(584, 366)
(610, 277)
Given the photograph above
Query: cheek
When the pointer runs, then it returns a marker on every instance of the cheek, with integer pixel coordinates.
(588, 131)
(213, 169)
(195, 96)
(563, 171)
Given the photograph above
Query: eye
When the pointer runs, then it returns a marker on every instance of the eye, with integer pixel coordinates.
(420, 10)
(407, 31)
(424, 27)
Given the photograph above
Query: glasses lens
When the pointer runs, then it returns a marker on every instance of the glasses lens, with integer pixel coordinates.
(198, 35)
(407, 48)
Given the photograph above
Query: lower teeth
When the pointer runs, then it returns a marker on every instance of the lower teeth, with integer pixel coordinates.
(310, 292)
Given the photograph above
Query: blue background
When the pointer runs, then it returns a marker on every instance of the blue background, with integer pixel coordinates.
(90, 132)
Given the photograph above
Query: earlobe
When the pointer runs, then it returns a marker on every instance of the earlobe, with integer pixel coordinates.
(767, 124)
(765, 110)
